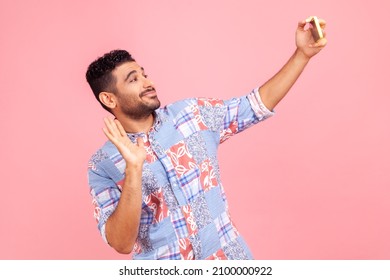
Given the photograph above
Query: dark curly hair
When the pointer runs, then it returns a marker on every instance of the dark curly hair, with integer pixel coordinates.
(99, 73)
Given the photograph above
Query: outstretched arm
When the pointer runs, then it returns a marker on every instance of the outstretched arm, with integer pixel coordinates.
(277, 87)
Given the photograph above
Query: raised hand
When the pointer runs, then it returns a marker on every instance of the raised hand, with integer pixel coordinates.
(305, 42)
(133, 154)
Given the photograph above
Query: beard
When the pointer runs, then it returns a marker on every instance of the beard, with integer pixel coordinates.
(136, 109)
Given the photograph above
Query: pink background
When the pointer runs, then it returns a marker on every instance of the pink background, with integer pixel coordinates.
(310, 183)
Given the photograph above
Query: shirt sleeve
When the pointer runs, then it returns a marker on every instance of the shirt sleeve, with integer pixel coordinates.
(232, 116)
(105, 193)
(242, 113)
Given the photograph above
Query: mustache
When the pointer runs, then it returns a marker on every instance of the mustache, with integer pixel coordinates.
(146, 91)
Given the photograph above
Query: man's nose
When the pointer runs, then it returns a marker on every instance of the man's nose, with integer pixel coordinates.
(148, 82)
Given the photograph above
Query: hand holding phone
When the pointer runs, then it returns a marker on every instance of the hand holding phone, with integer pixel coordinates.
(315, 29)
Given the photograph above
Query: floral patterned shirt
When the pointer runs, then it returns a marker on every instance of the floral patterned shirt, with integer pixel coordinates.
(184, 210)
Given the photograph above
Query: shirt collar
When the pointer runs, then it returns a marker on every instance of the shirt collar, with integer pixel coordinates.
(158, 121)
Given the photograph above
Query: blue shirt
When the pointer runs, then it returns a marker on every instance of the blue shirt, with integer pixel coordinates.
(184, 209)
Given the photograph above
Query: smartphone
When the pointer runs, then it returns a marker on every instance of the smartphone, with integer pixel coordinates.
(316, 30)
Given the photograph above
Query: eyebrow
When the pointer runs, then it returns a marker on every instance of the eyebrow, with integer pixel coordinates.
(132, 72)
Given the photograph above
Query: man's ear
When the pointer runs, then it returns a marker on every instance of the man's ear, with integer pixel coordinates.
(108, 99)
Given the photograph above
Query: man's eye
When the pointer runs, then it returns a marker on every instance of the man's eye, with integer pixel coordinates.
(145, 76)
(133, 80)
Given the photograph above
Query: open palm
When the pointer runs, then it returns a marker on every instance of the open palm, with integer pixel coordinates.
(133, 154)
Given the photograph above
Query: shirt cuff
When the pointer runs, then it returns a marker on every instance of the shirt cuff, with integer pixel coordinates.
(258, 106)
(103, 233)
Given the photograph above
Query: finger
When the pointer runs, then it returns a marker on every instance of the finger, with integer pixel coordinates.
(109, 135)
(322, 23)
(140, 142)
(111, 127)
(107, 124)
(320, 43)
(120, 127)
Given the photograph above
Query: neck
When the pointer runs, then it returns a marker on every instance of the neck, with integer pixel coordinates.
(136, 125)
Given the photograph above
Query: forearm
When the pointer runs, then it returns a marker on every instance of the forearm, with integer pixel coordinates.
(122, 226)
(273, 91)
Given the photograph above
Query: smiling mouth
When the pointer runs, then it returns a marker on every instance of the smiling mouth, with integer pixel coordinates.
(148, 92)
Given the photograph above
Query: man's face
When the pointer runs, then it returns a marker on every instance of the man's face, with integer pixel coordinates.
(136, 95)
